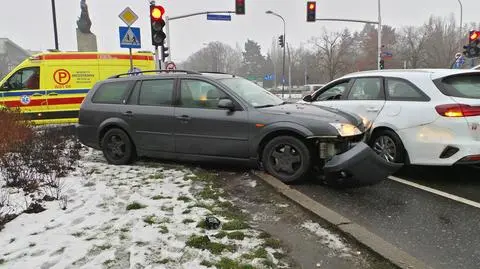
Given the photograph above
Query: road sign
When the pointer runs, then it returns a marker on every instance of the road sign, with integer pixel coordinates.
(170, 66)
(387, 54)
(268, 77)
(128, 16)
(217, 17)
(129, 37)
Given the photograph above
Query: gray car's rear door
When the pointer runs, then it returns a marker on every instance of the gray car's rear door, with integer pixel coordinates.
(149, 113)
(201, 128)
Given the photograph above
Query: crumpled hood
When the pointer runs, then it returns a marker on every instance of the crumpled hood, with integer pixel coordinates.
(311, 112)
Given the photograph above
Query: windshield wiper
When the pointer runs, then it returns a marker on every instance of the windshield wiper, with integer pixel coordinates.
(262, 106)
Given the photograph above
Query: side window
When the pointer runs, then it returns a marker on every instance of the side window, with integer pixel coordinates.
(111, 92)
(133, 99)
(332, 92)
(366, 89)
(401, 90)
(200, 94)
(156, 92)
(27, 78)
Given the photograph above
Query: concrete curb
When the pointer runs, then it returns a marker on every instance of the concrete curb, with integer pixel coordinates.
(359, 233)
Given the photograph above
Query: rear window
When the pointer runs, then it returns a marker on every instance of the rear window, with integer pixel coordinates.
(463, 86)
(112, 92)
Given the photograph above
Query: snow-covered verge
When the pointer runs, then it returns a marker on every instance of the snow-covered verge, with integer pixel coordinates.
(146, 215)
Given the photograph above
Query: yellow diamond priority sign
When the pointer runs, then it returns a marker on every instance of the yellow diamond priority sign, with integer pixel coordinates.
(128, 16)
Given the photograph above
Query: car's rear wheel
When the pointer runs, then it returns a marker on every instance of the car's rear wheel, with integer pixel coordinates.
(286, 158)
(388, 145)
(117, 147)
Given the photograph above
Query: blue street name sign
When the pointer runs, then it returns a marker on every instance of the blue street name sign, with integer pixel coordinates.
(129, 37)
(216, 17)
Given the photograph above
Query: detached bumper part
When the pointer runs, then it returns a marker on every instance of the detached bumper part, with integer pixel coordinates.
(357, 167)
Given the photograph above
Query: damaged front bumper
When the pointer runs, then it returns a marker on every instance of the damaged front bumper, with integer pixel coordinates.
(356, 167)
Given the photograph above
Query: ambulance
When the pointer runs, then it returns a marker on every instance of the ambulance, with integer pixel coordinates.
(49, 87)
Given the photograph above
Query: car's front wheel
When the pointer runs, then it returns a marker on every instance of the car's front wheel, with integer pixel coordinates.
(117, 147)
(389, 146)
(286, 158)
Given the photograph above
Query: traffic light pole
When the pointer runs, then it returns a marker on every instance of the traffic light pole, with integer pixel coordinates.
(168, 19)
(157, 59)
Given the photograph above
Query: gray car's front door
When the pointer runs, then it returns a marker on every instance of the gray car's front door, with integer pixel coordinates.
(201, 128)
(149, 113)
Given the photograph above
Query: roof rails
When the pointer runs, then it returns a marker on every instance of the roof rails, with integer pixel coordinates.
(156, 71)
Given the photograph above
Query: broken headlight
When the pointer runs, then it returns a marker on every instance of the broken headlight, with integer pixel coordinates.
(346, 129)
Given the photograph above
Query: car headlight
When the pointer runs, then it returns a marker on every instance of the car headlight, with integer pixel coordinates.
(346, 129)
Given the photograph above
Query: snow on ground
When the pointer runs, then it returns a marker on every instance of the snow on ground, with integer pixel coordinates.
(137, 216)
(329, 239)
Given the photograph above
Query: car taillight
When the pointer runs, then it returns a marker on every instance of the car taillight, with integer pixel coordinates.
(458, 110)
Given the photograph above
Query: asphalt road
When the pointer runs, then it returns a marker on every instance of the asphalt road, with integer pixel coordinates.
(442, 232)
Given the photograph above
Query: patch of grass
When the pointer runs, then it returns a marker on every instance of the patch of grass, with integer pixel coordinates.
(202, 224)
(90, 238)
(103, 247)
(186, 211)
(268, 263)
(2, 261)
(203, 242)
(124, 230)
(78, 234)
(204, 176)
(187, 221)
(149, 219)
(207, 263)
(260, 253)
(108, 262)
(159, 197)
(89, 184)
(166, 208)
(237, 235)
(156, 176)
(202, 205)
(209, 193)
(13, 240)
(220, 235)
(272, 242)
(135, 206)
(122, 236)
(165, 261)
(141, 243)
(278, 255)
(226, 263)
(264, 235)
(235, 225)
(184, 198)
(32, 245)
(163, 229)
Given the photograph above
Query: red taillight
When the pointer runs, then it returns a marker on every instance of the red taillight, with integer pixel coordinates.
(471, 158)
(458, 110)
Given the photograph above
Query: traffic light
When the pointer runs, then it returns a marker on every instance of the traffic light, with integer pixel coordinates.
(165, 53)
(311, 11)
(240, 7)
(382, 64)
(472, 49)
(281, 41)
(157, 24)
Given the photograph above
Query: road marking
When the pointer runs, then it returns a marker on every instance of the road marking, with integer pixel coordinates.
(437, 192)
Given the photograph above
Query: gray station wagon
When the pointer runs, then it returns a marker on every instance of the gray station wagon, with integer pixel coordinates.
(191, 116)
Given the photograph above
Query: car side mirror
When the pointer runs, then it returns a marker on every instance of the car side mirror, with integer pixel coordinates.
(227, 104)
(308, 98)
(5, 86)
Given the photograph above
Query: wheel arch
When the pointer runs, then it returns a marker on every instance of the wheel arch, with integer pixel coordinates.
(378, 129)
(111, 124)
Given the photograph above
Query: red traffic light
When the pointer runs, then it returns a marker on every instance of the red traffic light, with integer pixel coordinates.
(474, 35)
(311, 6)
(156, 12)
(311, 11)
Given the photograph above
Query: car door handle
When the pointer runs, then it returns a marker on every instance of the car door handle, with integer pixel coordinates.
(184, 118)
(372, 109)
(128, 113)
(37, 94)
(53, 93)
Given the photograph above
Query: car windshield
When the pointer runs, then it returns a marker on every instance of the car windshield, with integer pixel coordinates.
(252, 93)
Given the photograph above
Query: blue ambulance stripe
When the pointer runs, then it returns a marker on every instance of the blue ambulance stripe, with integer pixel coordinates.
(20, 93)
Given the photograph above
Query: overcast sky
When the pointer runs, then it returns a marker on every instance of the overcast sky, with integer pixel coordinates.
(29, 22)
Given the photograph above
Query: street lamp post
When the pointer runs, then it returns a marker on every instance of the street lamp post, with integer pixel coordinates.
(284, 42)
(461, 16)
(54, 14)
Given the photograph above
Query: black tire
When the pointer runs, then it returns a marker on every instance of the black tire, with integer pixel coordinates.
(297, 161)
(117, 147)
(384, 142)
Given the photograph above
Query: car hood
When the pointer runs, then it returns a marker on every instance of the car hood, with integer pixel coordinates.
(311, 112)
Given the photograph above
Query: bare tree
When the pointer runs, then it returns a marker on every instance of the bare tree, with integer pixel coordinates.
(217, 57)
(411, 46)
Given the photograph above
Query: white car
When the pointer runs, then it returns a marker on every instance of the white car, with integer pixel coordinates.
(476, 67)
(424, 117)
